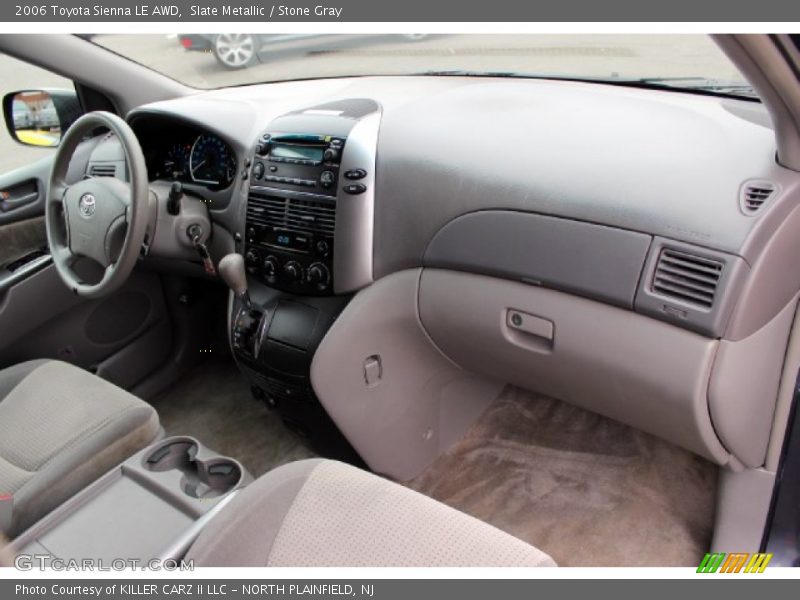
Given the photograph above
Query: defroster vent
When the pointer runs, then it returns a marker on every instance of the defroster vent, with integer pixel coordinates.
(687, 277)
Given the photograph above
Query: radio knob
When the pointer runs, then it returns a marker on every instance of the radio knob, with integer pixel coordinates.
(330, 155)
(318, 274)
(271, 267)
(294, 271)
(262, 148)
(326, 179)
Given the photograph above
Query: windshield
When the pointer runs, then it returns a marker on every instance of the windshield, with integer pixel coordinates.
(219, 60)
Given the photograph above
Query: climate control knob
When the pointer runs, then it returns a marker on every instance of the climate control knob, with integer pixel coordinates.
(293, 271)
(318, 275)
(251, 259)
(271, 267)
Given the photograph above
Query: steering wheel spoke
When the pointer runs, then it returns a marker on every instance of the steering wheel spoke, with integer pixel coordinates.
(64, 256)
(57, 191)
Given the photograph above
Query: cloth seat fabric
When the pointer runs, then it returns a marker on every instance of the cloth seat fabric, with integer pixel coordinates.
(60, 429)
(326, 513)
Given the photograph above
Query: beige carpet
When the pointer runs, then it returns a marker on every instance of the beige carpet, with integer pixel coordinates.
(213, 403)
(587, 490)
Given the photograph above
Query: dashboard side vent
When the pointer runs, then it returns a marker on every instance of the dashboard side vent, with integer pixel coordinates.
(292, 214)
(687, 277)
(103, 170)
(754, 195)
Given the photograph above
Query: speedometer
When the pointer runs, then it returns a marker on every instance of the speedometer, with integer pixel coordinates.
(211, 162)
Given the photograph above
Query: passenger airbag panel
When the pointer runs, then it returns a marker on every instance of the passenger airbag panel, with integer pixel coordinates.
(583, 258)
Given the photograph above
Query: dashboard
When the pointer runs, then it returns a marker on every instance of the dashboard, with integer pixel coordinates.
(634, 171)
(531, 230)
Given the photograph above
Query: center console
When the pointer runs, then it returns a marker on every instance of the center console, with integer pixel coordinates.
(307, 233)
(152, 506)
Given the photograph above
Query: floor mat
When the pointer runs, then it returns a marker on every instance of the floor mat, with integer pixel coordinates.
(213, 403)
(585, 489)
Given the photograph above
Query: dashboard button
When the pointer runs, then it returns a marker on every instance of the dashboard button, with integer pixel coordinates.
(327, 178)
(355, 188)
(258, 170)
(323, 248)
(355, 174)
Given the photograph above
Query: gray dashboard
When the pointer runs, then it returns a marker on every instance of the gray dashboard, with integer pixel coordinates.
(610, 173)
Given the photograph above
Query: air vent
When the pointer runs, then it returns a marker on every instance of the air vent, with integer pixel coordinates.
(100, 170)
(754, 195)
(687, 277)
(292, 214)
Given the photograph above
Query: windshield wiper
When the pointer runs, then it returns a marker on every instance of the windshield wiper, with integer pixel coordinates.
(699, 85)
(462, 73)
(702, 83)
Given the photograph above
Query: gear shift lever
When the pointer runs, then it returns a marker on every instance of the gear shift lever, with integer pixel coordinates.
(231, 269)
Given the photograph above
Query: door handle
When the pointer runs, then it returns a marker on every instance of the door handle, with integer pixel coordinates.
(7, 202)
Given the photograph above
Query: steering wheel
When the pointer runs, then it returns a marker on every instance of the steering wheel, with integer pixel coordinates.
(100, 218)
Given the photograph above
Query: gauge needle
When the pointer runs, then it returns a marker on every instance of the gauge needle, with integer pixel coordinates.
(198, 166)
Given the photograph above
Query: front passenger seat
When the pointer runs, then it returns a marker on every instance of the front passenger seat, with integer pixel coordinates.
(323, 513)
(60, 429)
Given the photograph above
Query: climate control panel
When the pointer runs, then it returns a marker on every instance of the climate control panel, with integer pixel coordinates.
(289, 242)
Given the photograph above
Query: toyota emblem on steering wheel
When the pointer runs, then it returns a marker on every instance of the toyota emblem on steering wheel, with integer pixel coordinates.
(86, 205)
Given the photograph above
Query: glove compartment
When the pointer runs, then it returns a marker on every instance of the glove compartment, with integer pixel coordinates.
(629, 367)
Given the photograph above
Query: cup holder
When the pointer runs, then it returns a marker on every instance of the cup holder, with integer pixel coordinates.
(200, 478)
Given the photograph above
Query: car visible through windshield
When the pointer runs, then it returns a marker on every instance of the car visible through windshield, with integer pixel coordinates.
(688, 62)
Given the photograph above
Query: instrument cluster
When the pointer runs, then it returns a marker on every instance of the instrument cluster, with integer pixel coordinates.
(190, 156)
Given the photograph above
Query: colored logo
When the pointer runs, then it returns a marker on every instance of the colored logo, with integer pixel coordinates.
(735, 562)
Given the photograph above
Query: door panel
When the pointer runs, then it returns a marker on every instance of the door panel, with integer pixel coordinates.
(22, 193)
(123, 337)
(20, 242)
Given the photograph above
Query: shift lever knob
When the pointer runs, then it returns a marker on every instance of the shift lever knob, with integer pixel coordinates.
(231, 269)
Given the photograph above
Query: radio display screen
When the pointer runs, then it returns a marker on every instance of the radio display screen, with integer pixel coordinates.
(300, 152)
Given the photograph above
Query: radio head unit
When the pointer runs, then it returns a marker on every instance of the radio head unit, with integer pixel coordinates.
(298, 161)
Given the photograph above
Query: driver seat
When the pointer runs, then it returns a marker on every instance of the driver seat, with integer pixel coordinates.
(60, 429)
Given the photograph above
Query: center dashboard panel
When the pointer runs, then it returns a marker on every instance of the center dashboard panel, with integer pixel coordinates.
(307, 245)
(304, 168)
